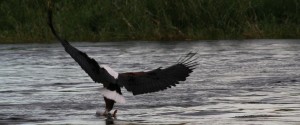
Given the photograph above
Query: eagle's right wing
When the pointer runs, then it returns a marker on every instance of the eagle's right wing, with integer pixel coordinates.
(158, 79)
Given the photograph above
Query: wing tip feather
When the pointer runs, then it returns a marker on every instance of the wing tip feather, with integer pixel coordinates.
(189, 60)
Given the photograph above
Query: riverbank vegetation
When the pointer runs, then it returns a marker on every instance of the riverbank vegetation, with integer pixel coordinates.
(115, 20)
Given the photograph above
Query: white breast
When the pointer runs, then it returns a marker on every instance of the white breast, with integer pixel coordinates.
(110, 71)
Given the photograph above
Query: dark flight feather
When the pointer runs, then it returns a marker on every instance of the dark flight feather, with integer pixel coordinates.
(158, 79)
(89, 65)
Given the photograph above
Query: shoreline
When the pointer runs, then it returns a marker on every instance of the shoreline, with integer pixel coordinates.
(154, 41)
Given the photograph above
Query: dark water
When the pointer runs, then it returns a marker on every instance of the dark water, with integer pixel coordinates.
(237, 82)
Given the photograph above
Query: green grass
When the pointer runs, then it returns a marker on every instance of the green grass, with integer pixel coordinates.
(24, 21)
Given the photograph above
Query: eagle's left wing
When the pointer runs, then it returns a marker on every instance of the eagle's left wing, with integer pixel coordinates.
(100, 74)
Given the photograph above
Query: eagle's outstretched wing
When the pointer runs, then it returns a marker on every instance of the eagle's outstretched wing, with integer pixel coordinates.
(89, 65)
(158, 79)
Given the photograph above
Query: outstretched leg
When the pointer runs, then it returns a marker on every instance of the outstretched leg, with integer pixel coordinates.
(109, 95)
(109, 104)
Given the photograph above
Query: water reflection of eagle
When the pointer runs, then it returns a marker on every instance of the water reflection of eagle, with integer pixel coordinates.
(135, 82)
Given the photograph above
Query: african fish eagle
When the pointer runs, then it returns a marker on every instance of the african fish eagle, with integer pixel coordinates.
(135, 82)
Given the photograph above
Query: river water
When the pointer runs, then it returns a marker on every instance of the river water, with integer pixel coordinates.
(237, 82)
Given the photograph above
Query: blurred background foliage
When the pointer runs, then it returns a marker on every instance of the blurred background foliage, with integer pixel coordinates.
(161, 20)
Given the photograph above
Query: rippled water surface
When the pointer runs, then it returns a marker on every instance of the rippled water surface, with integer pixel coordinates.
(237, 82)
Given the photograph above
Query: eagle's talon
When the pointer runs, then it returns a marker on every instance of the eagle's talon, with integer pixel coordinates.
(115, 113)
(107, 114)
